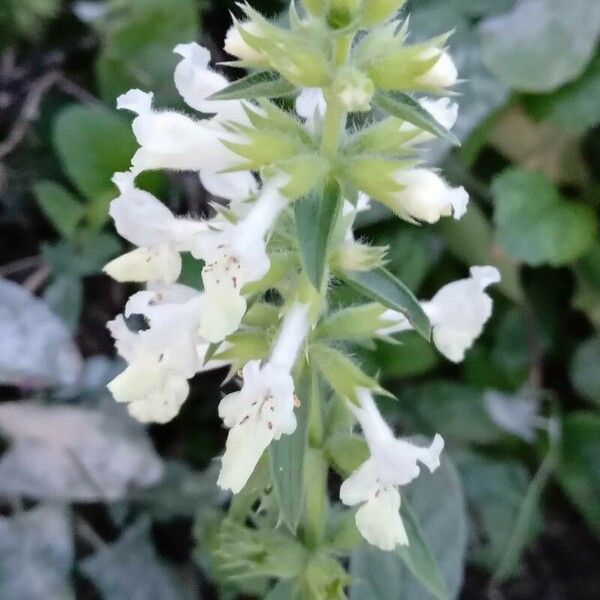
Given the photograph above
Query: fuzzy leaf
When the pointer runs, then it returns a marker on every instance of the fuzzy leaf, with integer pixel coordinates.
(60, 206)
(264, 84)
(287, 461)
(380, 285)
(316, 216)
(418, 557)
(404, 107)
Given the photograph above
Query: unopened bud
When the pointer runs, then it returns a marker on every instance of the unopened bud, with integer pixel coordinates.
(236, 45)
(377, 11)
(342, 12)
(424, 67)
(354, 90)
(426, 197)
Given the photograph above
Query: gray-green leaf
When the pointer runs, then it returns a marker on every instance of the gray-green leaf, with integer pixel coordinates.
(541, 44)
(536, 224)
(578, 467)
(380, 285)
(316, 216)
(287, 461)
(404, 107)
(585, 372)
(60, 206)
(264, 84)
(418, 557)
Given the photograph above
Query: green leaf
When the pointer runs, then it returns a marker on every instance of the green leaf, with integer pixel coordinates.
(404, 107)
(495, 491)
(316, 216)
(528, 517)
(587, 274)
(410, 357)
(243, 346)
(60, 206)
(287, 461)
(138, 47)
(264, 84)
(380, 285)
(585, 371)
(84, 256)
(575, 106)
(64, 296)
(354, 322)
(541, 45)
(317, 502)
(536, 224)
(578, 467)
(284, 589)
(346, 452)
(341, 373)
(454, 410)
(93, 143)
(418, 558)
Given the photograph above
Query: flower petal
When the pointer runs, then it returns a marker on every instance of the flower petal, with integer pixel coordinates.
(245, 445)
(237, 187)
(361, 485)
(162, 405)
(379, 521)
(161, 264)
(195, 81)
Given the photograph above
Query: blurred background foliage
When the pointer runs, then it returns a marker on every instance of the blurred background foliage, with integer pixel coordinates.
(95, 506)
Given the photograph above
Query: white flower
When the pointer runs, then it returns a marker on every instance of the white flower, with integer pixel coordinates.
(443, 110)
(172, 140)
(443, 73)
(309, 102)
(154, 386)
(236, 187)
(165, 351)
(234, 256)
(196, 81)
(374, 485)
(457, 313)
(263, 410)
(311, 106)
(170, 313)
(425, 196)
(144, 221)
(516, 413)
(235, 44)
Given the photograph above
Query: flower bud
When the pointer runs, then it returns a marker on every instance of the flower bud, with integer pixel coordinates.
(425, 196)
(342, 12)
(354, 90)
(300, 56)
(414, 194)
(377, 11)
(423, 67)
(236, 45)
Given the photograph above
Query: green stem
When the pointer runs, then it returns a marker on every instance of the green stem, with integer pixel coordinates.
(334, 121)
